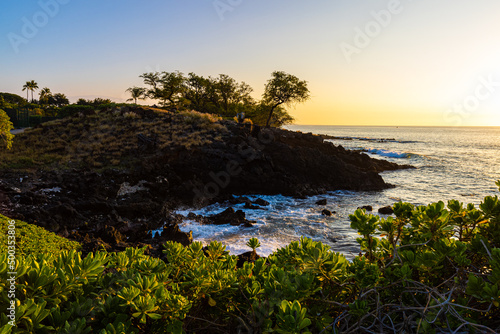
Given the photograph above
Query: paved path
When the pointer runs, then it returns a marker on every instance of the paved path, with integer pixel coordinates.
(17, 131)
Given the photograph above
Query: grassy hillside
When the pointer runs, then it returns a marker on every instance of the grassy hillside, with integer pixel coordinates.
(108, 138)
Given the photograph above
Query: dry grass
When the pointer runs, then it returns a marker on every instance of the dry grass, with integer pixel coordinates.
(108, 138)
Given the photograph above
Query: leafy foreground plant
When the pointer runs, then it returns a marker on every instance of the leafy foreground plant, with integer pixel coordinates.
(32, 239)
(429, 269)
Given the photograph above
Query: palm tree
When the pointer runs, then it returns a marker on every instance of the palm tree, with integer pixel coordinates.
(26, 88)
(30, 86)
(44, 96)
(137, 93)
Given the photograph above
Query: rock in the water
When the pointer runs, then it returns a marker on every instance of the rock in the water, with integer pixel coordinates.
(261, 202)
(321, 202)
(173, 232)
(229, 216)
(326, 212)
(239, 200)
(251, 206)
(367, 208)
(386, 210)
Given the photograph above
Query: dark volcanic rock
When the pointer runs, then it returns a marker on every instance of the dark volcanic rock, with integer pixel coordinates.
(386, 210)
(111, 235)
(229, 216)
(367, 208)
(326, 212)
(275, 162)
(261, 202)
(252, 206)
(321, 202)
(247, 257)
(87, 205)
(173, 232)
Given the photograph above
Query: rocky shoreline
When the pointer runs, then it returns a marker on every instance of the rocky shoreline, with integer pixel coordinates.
(115, 208)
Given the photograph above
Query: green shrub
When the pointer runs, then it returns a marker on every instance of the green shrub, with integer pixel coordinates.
(429, 269)
(74, 109)
(32, 239)
(5, 127)
(35, 120)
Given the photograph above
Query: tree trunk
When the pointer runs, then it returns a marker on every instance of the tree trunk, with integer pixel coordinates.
(271, 114)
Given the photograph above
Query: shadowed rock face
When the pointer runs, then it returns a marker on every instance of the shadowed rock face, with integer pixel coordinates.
(276, 162)
(117, 208)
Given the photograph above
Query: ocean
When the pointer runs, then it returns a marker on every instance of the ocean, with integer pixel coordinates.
(459, 163)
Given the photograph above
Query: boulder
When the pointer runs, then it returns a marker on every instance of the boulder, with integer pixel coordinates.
(367, 208)
(229, 216)
(111, 236)
(326, 212)
(322, 202)
(386, 210)
(252, 206)
(247, 257)
(261, 202)
(172, 232)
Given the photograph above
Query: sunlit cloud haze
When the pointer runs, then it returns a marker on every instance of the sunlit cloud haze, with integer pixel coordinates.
(368, 62)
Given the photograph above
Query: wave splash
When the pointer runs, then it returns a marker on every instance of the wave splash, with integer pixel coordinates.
(390, 154)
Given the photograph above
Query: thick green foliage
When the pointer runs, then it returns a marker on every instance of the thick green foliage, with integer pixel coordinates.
(5, 127)
(32, 239)
(429, 269)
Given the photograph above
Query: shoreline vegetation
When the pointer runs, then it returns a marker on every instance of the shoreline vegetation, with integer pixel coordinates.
(107, 177)
(428, 269)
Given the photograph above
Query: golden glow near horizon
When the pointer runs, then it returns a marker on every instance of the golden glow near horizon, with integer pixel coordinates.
(410, 64)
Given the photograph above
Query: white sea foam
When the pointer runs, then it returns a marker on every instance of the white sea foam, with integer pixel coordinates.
(389, 154)
(284, 220)
(452, 163)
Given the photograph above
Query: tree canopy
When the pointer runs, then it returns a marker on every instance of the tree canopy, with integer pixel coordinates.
(224, 96)
(286, 89)
(13, 99)
(30, 86)
(136, 93)
(5, 127)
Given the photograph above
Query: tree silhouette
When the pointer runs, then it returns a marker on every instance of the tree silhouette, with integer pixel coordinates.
(45, 95)
(30, 86)
(284, 88)
(168, 87)
(59, 100)
(137, 93)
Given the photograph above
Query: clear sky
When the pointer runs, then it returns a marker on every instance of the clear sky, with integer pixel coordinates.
(367, 62)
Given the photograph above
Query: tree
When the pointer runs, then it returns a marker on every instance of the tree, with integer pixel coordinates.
(30, 86)
(5, 127)
(168, 87)
(95, 102)
(45, 95)
(13, 99)
(228, 95)
(197, 92)
(286, 89)
(59, 100)
(260, 114)
(137, 93)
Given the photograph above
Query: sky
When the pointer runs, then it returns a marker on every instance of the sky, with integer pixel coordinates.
(367, 62)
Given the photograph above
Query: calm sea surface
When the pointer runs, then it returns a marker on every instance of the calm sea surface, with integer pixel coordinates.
(452, 163)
